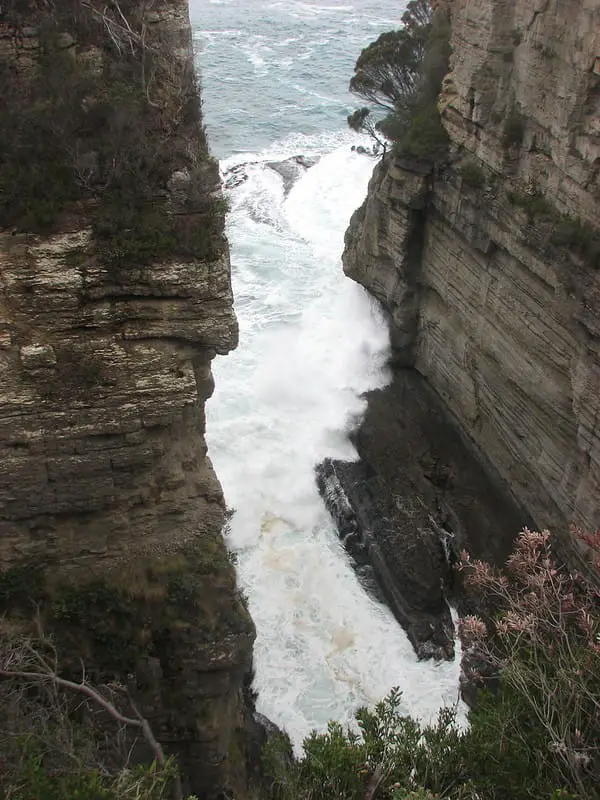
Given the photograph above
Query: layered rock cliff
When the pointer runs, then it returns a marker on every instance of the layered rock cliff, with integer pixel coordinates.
(115, 296)
(489, 265)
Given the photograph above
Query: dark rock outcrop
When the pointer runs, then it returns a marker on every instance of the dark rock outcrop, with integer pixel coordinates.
(416, 498)
(290, 169)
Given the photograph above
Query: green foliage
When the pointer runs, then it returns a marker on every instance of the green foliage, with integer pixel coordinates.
(533, 203)
(514, 130)
(106, 617)
(472, 175)
(184, 589)
(580, 237)
(502, 754)
(79, 137)
(425, 139)
(399, 753)
(363, 121)
(534, 737)
(504, 742)
(401, 74)
(21, 586)
(386, 71)
(36, 178)
(36, 782)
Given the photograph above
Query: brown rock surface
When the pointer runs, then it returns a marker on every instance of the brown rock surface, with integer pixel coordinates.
(502, 323)
(106, 489)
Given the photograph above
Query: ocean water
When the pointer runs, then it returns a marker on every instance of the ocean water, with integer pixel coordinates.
(275, 75)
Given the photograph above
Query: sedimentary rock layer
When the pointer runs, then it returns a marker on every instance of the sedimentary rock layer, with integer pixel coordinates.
(498, 313)
(110, 511)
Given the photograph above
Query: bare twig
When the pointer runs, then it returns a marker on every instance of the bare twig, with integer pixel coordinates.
(45, 673)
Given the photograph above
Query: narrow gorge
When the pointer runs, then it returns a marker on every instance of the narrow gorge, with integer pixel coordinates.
(458, 406)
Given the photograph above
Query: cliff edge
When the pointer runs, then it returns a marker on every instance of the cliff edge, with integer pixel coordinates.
(488, 266)
(115, 296)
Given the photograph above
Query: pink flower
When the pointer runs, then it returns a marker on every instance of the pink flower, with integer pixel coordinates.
(471, 629)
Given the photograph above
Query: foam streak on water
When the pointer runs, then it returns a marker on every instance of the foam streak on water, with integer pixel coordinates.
(311, 342)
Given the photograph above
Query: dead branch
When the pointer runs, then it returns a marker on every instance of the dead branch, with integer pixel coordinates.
(118, 28)
(46, 674)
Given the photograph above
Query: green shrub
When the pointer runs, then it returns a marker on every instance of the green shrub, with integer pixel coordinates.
(472, 175)
(580, 237)
(35, 781)
(21, 586)
(535, 736)
(571, 233)
(534, 204)
(389, 748)
(514, 130)
(425, 139)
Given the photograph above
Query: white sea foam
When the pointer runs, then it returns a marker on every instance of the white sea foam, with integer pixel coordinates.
(311, 342)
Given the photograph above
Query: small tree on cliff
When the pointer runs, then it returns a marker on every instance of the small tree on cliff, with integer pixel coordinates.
(362, 121)
(400, 76)
(387, 72)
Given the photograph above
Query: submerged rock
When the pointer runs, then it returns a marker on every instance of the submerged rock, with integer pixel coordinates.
(291, 169)
(235, 176)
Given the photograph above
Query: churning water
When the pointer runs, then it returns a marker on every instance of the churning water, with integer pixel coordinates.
(275, 74)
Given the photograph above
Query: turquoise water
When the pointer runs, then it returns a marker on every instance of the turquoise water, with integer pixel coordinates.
(312, 342)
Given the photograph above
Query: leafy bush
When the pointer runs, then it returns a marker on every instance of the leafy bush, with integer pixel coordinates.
(545, 645)
(425, 139)
(533, 203)
(579, 236)
(390, 752)
(35, 781)
(569, 232)
(472, 175)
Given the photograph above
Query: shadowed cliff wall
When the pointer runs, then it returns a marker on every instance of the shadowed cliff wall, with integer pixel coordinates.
(114, 297)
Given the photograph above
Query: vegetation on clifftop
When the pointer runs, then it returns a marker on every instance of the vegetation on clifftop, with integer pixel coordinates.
(400, 76)
(97, 115)
(59, 740)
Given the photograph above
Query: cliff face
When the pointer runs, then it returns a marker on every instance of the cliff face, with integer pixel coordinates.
(110, 511)
(488, 268)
